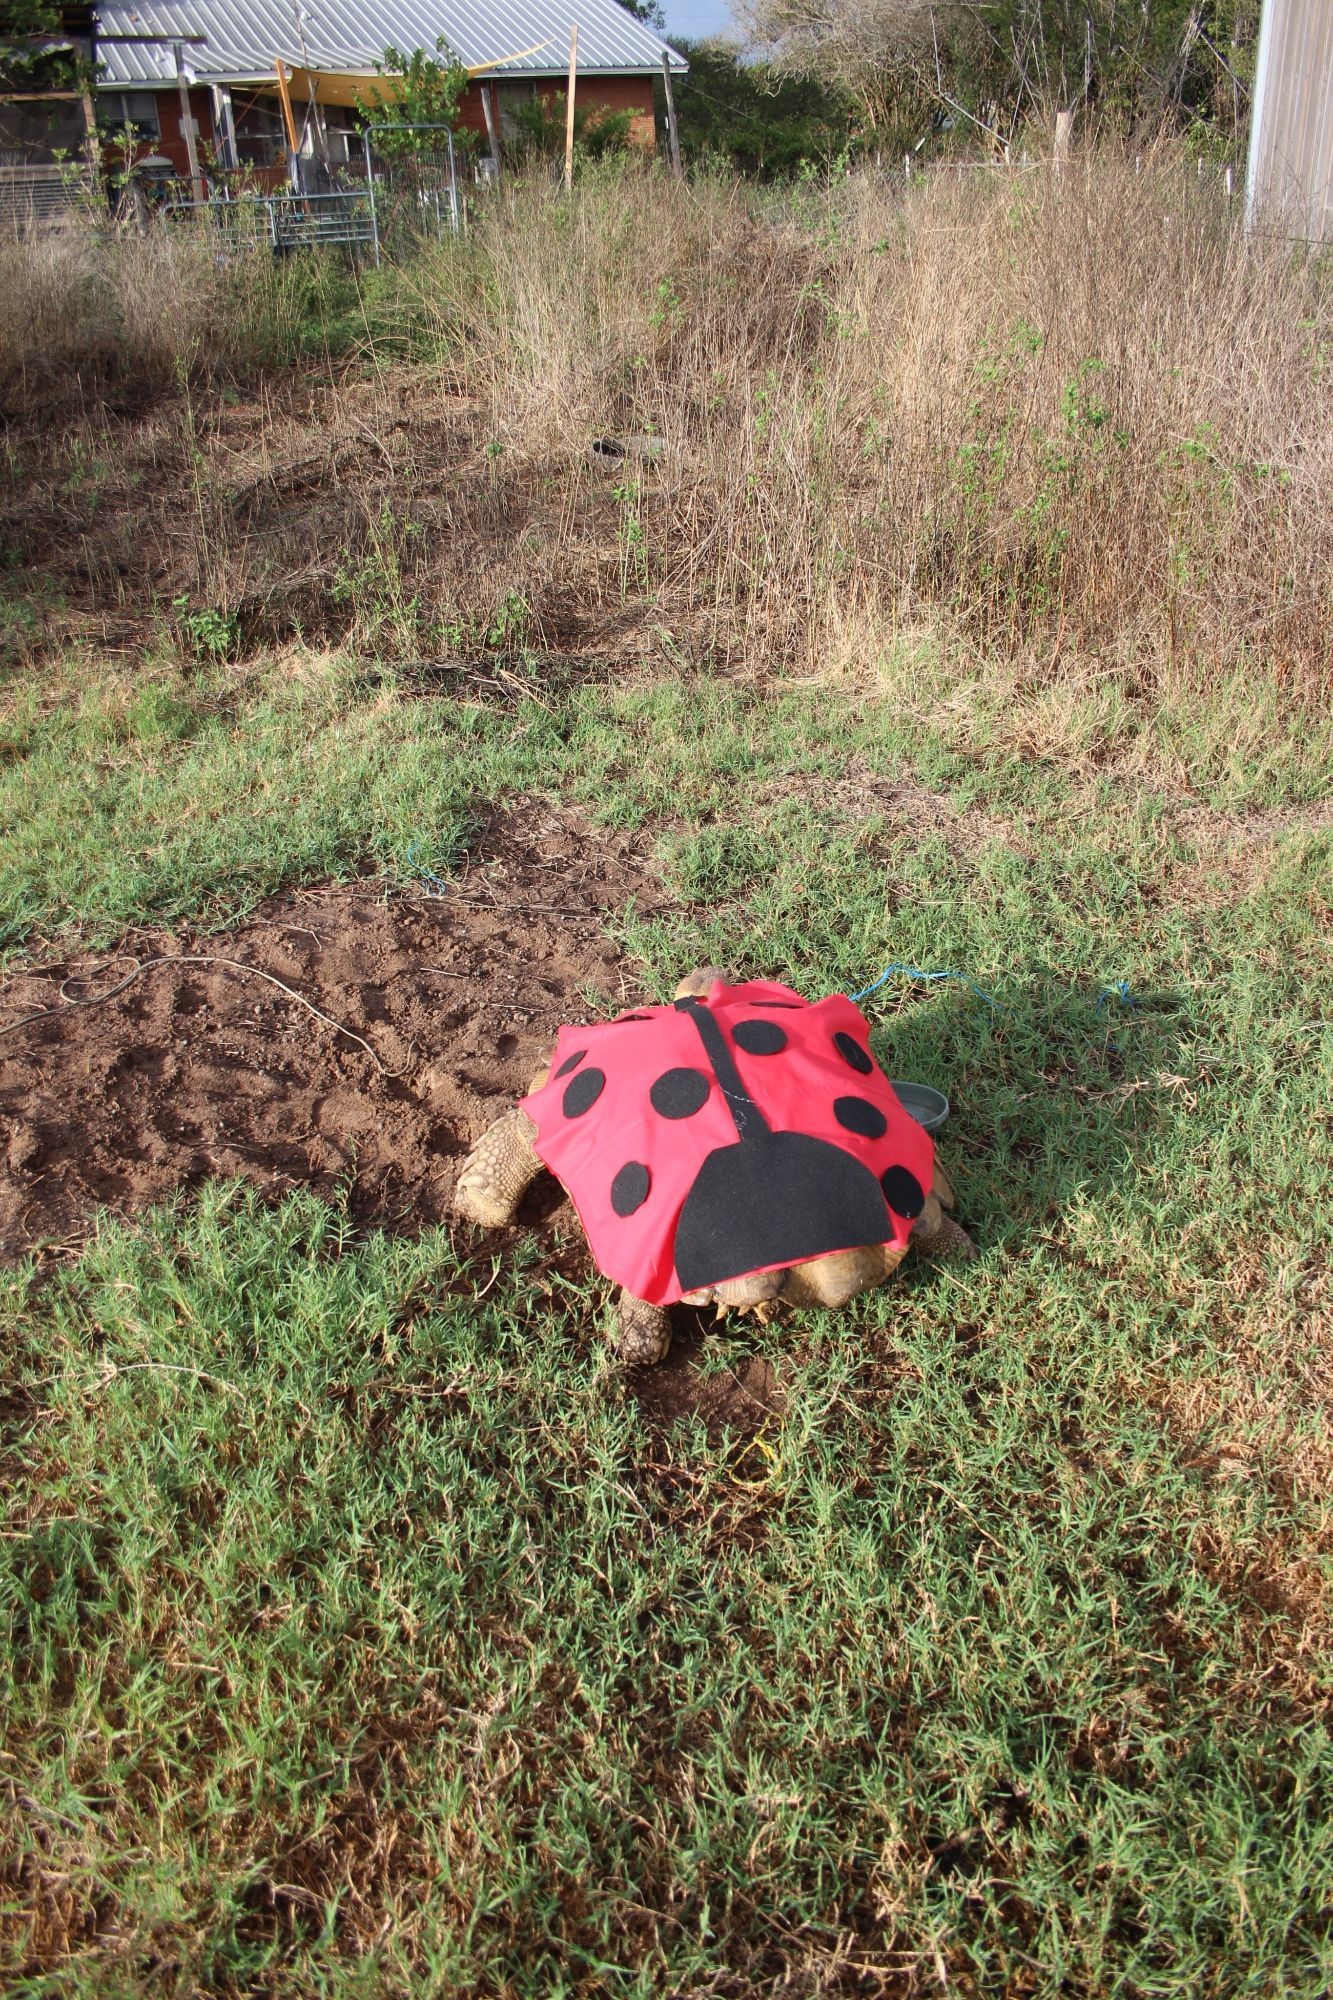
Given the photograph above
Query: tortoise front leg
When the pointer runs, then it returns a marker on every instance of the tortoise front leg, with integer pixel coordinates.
(498, 1172)
(645, 1332)
(940, 1236)
(695, 984)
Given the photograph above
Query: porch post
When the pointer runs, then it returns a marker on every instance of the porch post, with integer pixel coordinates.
(187, 122)
(225, 124)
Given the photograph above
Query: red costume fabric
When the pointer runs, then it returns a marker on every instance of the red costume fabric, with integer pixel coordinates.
(714, 1138)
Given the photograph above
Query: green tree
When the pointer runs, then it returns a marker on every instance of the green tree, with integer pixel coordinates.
(649, 12)
(880, 54)
(423, 90)
(540, 126)
(762, 121)
(27, 62)
(1171, 61)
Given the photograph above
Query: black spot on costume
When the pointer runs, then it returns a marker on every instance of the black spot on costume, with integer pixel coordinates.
(851, 1052)
(583, 1092)
(679, 1093)
(759, 1038)
(858, 1114)
(629, 1189)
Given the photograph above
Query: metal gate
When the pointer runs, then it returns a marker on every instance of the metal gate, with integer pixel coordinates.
(343, 218)
(413, 193)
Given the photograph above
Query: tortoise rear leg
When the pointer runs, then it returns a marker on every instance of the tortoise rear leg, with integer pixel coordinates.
(499, 1170)
(645, 1332)
(935, 1233)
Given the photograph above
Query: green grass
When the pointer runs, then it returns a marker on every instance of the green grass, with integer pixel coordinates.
(192, 794)
(363, 1638)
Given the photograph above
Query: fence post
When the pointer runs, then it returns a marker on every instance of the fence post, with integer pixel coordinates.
(91, 144)
(453, 177)
(370, 190)
(187, 122)
(492, 129)
(569, 107)
(1064, 134)
(673, 130)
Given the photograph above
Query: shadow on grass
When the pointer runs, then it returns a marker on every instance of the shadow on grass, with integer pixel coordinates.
(1043, 1090)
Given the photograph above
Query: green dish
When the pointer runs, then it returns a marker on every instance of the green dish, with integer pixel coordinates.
(929, 1107)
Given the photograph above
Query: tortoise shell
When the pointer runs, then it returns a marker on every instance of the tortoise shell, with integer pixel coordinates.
(718, 1137)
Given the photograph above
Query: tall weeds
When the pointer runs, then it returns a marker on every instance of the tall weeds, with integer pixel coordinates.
(1075, 418)
(84, 312)
(1077, 412)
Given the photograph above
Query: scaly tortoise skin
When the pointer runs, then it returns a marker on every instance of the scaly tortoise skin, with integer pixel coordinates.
(504, 1163)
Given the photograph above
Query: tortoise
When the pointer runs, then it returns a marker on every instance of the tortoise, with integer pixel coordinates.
(745, 1149)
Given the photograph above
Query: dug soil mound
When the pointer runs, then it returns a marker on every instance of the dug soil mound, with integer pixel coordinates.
(201, 1066)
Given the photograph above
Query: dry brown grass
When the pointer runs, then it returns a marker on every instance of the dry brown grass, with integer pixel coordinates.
(76, 309)
(1073, 414)
(89, 314)
(1079, 425)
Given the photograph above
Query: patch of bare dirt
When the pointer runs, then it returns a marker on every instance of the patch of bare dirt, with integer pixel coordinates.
(367, 513)
(1231, 854)
(739, 1399)
(202, 1067)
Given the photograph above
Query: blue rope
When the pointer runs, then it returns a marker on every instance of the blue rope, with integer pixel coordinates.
(1120, 991)
(915, 972)
(419, 868)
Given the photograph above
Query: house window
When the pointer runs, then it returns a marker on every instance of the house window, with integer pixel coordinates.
(135, 108)
(516, 97)
(342, 129)
(261, 137)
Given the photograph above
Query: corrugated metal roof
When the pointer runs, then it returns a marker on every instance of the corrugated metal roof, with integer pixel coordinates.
(1291, 119)
(245, 35)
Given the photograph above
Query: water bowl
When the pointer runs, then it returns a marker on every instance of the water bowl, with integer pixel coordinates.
(929, 1107)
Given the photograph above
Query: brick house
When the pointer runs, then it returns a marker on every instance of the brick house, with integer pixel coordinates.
(517, 51)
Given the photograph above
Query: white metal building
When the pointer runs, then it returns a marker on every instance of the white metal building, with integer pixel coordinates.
(1289, 183)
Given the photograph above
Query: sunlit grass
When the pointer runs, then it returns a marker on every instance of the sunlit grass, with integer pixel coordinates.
(355, 1624)
(363, 1638)
(362, 1635)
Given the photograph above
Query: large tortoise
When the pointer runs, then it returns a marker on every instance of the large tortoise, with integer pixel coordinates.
(745, 1149)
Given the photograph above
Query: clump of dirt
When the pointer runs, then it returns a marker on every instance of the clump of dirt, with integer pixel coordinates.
(201, 1067)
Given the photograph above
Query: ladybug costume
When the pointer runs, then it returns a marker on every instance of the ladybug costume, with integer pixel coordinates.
(718, 1137)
